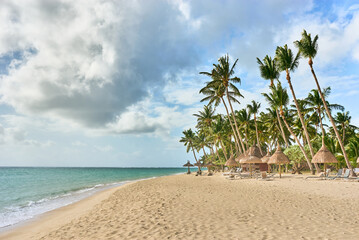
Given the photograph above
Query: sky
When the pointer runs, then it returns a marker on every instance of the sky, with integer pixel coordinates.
(111, 83)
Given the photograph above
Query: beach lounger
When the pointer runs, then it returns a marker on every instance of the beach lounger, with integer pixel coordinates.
(345, 176)
(339, 174)
(265, 177)
(321, 175)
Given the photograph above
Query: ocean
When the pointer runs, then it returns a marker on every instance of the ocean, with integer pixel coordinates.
(26, 192)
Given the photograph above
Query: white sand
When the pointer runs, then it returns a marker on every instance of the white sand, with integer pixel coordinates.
(189, 207)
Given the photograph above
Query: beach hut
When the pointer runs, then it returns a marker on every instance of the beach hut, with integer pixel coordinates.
(324, 156)
(188, 164)
(278, 158)
(231, 162)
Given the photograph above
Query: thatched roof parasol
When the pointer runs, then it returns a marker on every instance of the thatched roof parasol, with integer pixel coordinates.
(197, 164)
(324, 156)
(240, 157)
(254, 151)
(188, 164)
(210, 164)
(231, 162)
(251, 159)
(266, 158)
(278, 157)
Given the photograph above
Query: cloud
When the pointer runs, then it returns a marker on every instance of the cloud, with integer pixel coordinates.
(87, 61)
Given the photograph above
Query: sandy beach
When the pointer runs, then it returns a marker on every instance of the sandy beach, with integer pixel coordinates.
(190, 207)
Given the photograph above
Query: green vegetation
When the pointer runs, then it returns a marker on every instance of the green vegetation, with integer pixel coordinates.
(299, 128)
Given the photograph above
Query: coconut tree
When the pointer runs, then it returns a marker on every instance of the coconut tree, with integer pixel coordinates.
(288, 62)
(253, 109)
(222, 74)
(189, 141)
(343, 119)
(272, 100)
(268, 69)
(281, 99)
(205, 117)
(244, 119)
(215, 92)
(309, 49)
(201, 141)
(316, 107)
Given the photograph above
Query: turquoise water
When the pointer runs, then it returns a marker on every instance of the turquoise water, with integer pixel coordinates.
(28, 191)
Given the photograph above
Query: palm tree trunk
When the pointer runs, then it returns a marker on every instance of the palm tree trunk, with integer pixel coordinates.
(343, 126)
(300, 145)
(205, 155)
(301, 118)
(219, 157)
(234, 119)
(199, 167)
(246, 138)
(331, 118)
(282, 130)
(224, 149)
(259, 145)
(234, 131)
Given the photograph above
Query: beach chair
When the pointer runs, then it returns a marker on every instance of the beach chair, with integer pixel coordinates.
(321, 175)
(345, 176)
(265, 177)
(339, 174)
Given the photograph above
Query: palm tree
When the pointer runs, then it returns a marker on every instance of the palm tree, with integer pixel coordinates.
(201, 142)
(343, 119)
(309, 49)
(272, 100)
(222, 74)
(316, 106)
(205, 117)
(244, 119)
(215, 94)
(288, 62)
(253, 109)
(189, 141)
(218, 135)
(281, 98)
(268, 69)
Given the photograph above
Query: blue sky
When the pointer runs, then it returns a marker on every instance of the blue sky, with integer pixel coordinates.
(114, 83)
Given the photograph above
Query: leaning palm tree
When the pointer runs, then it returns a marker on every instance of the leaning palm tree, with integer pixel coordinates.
(215, 93)
(268, 69)
(222, 74)
(272, 100)
(288, 62)
(309, 49)
(343, 119)
(253, 109)
(202, 142)
(189, 141)
(281, 99)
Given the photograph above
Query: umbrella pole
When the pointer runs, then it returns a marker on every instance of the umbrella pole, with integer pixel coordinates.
(280, 172)
(188, 172)
(250, 168)
(325, 170)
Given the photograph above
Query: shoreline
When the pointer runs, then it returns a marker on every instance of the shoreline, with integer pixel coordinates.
(11, 232)
(185, 206)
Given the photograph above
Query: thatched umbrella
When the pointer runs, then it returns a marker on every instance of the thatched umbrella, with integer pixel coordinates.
(266, 158)
(278, 158)
(254, 156)
(324, 156)
(188, 164)
(231, 162)
(240, 157)
(209, 165)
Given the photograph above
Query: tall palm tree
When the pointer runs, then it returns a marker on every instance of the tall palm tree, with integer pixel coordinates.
(288, 62)
(309, 49)
(273, 102)
(268, 69)
(244, 119)
(205, 117)
(215, 94)
(189, 141)
(202, 142)
(253, 109)
(222, 73)
(316, 106)
(343, 119)
(281, 98)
